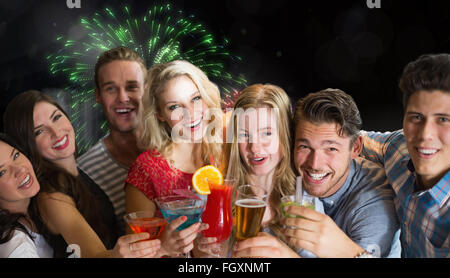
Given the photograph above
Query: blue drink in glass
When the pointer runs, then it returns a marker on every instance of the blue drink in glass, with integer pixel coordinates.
(173, 207)
(193, 216)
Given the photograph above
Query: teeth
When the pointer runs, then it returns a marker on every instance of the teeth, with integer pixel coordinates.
(60, 143)
(123, 110)
(196, 123)
(427, 151)
(258, 159)
(317, 176)
(27, 178)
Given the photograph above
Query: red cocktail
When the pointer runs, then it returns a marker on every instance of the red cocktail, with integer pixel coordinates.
(141, 222)
(218, 211)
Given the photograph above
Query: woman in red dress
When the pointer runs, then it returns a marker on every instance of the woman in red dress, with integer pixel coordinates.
(182, 121)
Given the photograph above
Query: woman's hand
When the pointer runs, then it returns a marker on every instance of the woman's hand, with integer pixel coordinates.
(136, 246)
(209, 247)
(173, 242)
(263, 246)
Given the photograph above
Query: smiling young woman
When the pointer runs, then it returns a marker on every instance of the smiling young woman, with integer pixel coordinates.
(71, 208)
(176, 117)
(260, 150)
(18, 185)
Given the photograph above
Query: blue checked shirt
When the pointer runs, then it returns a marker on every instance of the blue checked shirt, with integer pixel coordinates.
(424, 216)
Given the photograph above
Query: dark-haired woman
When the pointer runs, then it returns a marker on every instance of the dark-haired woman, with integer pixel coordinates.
(18, 184)
(71, 209)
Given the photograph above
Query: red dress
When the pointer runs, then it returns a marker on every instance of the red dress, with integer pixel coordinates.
(152, 175)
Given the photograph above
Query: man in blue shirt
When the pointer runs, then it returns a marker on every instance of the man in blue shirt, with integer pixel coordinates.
(358, 201)
(417, 158)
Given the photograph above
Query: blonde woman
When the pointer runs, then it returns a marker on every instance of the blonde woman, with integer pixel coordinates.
(260, 154)
(182, 132)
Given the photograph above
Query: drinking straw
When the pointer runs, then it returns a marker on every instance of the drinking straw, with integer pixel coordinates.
(298, 190)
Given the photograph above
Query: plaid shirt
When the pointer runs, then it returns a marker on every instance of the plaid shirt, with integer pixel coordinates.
(424, 215)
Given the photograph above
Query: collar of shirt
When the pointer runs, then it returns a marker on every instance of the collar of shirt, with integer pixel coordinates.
(440, 192)
(331, 201)
(410, 166)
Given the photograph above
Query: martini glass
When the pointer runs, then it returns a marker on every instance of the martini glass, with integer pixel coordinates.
(175, 206)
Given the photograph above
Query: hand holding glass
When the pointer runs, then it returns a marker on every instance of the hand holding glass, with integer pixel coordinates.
(175, 206)
(144, 222)
(307, 201)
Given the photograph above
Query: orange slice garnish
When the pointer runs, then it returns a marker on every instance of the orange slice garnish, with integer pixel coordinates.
(204, 175)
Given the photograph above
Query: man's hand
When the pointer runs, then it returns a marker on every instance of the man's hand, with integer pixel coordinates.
(317, 232)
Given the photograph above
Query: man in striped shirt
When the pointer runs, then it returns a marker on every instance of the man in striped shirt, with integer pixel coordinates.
(417, 158)
(120, 79)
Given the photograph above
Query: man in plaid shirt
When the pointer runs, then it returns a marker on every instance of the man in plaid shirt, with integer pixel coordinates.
(417, 158)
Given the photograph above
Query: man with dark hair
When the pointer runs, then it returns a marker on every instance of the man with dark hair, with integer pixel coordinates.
(417, 158)
(120, 81)
(358, 201)
(359, 218)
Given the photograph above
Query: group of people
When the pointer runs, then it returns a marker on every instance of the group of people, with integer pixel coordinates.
(383, 194)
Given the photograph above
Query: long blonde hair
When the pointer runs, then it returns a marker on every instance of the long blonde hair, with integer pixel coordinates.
(156, 134)
(258, 96)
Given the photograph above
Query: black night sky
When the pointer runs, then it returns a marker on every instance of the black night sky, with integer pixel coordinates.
(301, 46)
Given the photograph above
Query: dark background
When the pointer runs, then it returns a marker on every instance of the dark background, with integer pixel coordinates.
(302, 46)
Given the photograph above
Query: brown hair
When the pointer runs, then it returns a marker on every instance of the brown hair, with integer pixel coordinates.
(120, 53)
(330, 106)
(19, 125)
(10, 222)
(428, 73)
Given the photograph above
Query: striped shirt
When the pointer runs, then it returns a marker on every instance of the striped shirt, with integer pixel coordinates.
(109, 174)
(424, 215)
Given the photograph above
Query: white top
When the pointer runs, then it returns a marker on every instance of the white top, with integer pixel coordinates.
(22, 246)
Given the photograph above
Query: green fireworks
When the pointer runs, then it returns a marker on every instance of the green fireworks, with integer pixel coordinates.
(161, 35)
